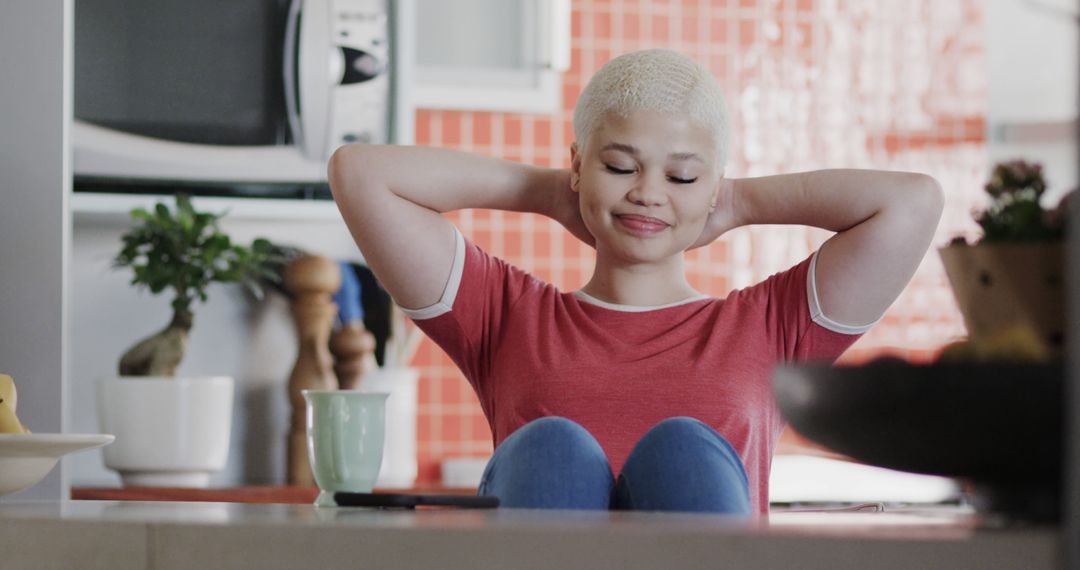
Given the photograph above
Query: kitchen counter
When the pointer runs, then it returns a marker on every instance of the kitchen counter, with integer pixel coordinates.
(178, 535)
(252, 494)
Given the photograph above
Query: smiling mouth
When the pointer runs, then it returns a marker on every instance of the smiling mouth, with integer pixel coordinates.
(641, 225)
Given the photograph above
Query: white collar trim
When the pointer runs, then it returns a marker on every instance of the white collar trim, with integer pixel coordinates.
(583, 296)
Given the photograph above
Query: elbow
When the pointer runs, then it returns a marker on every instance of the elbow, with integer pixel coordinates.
(350, 171)
(916, 199)
(924, 195)
(923, 203)
(932, 197)
(338, 171)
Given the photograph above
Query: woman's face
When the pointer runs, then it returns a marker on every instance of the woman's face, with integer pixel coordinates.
(647, 183)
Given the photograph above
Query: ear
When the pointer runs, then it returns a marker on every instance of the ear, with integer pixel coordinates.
(715, 193)
(575, 167)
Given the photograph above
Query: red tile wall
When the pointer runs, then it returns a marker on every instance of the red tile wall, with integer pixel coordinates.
(810, 84)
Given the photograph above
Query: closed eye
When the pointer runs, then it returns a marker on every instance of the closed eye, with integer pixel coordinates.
(674, 179)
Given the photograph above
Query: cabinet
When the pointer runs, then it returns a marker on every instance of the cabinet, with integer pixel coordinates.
(492, 55)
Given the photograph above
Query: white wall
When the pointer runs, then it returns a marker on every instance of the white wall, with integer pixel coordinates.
(1032, 79)
(34, 239)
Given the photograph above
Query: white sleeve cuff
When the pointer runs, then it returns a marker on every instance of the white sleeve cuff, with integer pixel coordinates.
(816, 313)
(446, 302)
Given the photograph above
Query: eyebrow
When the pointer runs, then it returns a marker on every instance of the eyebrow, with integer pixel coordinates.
(633, 151)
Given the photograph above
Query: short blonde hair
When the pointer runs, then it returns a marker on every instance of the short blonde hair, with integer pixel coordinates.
(659, 80)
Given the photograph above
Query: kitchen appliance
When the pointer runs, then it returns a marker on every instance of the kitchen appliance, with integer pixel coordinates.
(238, 98)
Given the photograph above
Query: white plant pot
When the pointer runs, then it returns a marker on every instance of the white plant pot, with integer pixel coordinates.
(170, 432)
(399, 451)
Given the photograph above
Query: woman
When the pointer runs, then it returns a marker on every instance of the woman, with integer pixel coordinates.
(637, 373)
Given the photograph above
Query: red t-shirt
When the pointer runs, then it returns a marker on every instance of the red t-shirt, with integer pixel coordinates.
(530, 351)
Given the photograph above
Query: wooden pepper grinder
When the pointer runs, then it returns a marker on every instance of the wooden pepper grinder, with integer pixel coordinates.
(311, 280)
(353, 348)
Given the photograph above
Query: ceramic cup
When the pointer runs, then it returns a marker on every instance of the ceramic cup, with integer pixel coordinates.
(345, 432)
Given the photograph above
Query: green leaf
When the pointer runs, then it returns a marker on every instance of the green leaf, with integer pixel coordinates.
(182, 250)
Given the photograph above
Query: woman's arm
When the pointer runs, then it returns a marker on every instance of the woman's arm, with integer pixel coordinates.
(391, 198)
(885, 223)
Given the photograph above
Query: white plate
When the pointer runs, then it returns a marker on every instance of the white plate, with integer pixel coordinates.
(25, 459)
(50, 444)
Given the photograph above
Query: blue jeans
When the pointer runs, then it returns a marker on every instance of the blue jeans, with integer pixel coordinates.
(681, 464)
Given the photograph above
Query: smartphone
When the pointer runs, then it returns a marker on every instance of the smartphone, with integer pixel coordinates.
(405, 501)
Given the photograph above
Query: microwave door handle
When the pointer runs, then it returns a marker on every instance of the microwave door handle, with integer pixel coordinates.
(292, 109)
(321, 65)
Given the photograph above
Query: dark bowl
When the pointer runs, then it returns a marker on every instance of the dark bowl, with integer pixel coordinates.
(998, 424)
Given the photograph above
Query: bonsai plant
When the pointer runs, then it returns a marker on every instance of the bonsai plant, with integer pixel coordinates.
(1009, 284)
(175, 431)
(183, 253)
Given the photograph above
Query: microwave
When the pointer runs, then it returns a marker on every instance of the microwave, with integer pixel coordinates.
(241, 98)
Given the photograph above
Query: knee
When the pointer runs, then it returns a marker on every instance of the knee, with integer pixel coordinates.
(551, 462)
(553, 428)
(680, 428)
(674, 437)
(558, 433)
(682, 464)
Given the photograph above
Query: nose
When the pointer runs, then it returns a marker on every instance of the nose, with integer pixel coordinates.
(647, 191)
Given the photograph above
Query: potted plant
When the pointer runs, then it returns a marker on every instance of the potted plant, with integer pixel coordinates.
(174, 431)
(1009, 284)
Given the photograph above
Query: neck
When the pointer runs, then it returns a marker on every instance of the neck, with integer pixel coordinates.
(639, 284)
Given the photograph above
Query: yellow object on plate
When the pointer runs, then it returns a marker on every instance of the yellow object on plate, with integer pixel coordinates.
(9, 422)
(26, 458)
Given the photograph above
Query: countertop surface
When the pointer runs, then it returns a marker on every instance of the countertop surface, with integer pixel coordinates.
(162, 535)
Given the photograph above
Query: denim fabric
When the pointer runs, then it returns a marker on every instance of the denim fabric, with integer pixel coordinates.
(680, 464)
